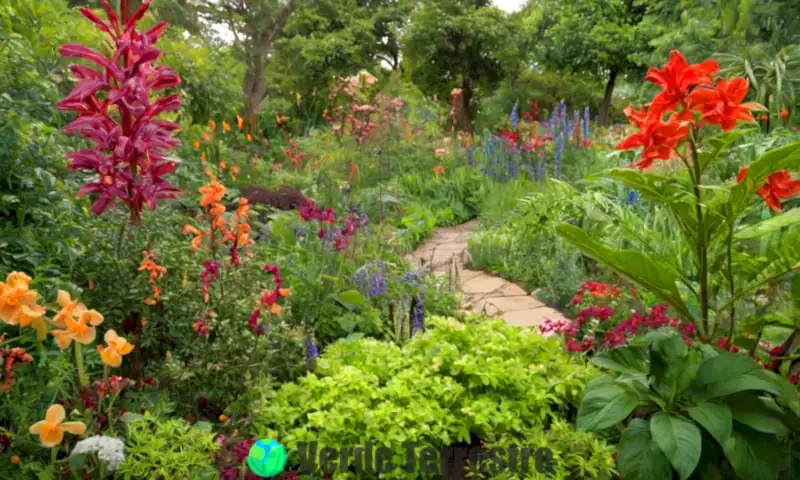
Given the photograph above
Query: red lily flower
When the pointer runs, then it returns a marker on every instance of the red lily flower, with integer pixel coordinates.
(779, 185)
(723, 105)
(129, 156)
(657, 138)
(678, 77)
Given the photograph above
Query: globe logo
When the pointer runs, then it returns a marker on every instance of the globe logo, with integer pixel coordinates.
(266, 458)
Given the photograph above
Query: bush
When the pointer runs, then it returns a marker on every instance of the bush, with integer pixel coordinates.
(454, 385)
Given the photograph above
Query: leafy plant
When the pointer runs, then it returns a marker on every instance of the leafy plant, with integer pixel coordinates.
(691, 410)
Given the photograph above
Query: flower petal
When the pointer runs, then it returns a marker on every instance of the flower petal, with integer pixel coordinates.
(37, 427)
(55, 414)
(50, 437)
(75, 428)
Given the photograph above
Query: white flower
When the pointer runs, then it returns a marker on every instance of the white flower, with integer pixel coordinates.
(110, 450)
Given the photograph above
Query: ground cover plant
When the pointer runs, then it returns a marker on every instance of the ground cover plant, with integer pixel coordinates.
(207, 211)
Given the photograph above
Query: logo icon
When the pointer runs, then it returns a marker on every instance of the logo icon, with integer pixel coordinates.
(266, 458)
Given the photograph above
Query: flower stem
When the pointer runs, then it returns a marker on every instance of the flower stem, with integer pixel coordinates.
(82, 379)
(105, 373)
(732, 311)
(53, 454)
(702, 258)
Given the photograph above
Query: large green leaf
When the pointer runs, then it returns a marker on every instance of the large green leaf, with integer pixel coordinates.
(753, 457)
(625, 359)
(639, 457)
(350, 299)
(716, 418)
(758, 413)
(680, 440)
(785, 157)
(605, 403)
(769, 225)
(724, 367)
(636, 266)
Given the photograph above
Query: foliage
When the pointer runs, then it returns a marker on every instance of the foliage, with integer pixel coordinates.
(694, 408)
(450, 385)
(171, 448)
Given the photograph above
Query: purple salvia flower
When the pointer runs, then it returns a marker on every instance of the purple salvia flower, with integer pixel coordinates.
(313, 352)
(418, 315)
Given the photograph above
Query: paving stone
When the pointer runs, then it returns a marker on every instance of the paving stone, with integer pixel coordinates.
(512, 304)
(484, 305)
(510, 290)
(531, 318)
(482, 284)
(467, 275)
(442, 256)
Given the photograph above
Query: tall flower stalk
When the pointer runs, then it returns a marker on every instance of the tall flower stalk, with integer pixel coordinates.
(116, 111)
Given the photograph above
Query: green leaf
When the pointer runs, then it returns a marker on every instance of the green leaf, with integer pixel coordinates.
(350, 299)
(680, 440)
(625, 359)
(129, 417)
(639, 457)
(758, 413)
(724, 367)
(770, 225)
(795, 289)
(716, 418)
(753, 457)
(786, 157)
(636, 266)
(204, 426)
(605, 403)
(729, 373)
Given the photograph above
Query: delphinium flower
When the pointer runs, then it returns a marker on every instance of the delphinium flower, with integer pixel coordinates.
(514, 117)
(377, 286)
(116, 113)
(513, 169)
(363, 282)
(109, 450)
(559, 150)
(633, 195)
(586, 118)
(312, 350)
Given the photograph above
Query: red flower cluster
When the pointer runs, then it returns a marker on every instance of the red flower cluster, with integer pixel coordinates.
(295, 155)
(129, 156)
(511, 137)
(9, 359)
(596, 290)
(533, 113)
(601, 312)
(690, 88)
(268, 300)
(341, 234)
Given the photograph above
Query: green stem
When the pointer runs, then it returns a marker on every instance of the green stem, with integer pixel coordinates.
(105, 373)
(82, 378)
(54, 454)
(120, 240)
(732, 310)
(702, 253)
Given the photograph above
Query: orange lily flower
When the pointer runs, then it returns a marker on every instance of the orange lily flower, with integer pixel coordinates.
(677, 77)
(223, 164)
(117, 347)
(438, 170)
(206, 137)
(196, 144)
(212, 125)
(203, 158)
(779, 185)
(81, 331)
(156, 272)
(235, 169)
(212, 193)
(723, 105)
(239, 122)
(18, 304)
(657, 138)
(72, 308)
(784, 113)
(353, 172)
(226, 126)
(51, 429)
(249, 138)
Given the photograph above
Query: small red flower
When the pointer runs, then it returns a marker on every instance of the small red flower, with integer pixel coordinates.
(677, 77)
(779, 185)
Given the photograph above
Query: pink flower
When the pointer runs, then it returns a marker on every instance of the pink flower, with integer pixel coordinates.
(115, 112)
(441, 152)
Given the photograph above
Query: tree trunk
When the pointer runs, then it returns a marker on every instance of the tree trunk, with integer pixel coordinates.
(466, 95)
(606, 105)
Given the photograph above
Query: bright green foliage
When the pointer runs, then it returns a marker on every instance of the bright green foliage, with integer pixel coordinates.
(703, 406)
(460, 44)
(167, 448)
(457, 382)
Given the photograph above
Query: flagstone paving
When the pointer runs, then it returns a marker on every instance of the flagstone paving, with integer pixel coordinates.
(445, 253)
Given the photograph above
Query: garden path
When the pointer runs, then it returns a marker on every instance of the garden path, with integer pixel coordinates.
(445, 253)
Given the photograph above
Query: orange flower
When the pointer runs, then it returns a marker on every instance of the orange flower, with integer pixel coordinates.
(239, 122)
(223, 417)
(226, 126)
(212, 125)
(223, 164)
(51, 429)
(18, 304)
(441, 152)
(196, 241)
(657, 138)
(438, 170)
(243, 208)
(284, 292)
(156, 272)
(212, 193)
(235, 169)
(249, 138)
(80, 330)
(91, 284)
(196, 144)
(15, 460)
(206, 137)
(203, 158)
(723, 105)
(784, 113)
(779, 185)
(764, 117)
(117, 347)
(298, 97)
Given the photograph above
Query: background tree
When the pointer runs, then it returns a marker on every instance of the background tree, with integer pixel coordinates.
(597, 37)
(465, 44)
(255, 26)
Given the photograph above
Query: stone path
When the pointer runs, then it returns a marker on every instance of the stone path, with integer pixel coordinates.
(445, 253)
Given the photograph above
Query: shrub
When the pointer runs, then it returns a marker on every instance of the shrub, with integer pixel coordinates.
(456, 384)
